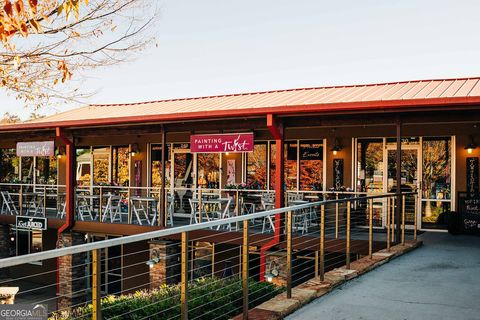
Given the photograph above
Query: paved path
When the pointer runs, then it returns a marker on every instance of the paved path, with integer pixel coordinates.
(440, 280)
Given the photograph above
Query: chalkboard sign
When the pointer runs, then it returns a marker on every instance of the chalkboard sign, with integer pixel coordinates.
(338, 173)
(472, 176)
(469, 210)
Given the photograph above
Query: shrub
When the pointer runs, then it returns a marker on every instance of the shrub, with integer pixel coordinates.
(209, 298)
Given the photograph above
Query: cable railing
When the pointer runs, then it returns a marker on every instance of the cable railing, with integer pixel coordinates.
(213, 269)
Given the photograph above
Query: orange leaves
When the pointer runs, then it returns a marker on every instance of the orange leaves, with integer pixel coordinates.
(66, 74)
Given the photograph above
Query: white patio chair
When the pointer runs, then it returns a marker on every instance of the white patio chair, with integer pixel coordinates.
(268, 203)
(84, 209)
(8, 206)
(112, 208)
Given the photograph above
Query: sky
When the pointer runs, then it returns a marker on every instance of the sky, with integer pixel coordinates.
(213, 47)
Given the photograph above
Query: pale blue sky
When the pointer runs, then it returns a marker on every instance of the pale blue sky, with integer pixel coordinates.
(213, 47)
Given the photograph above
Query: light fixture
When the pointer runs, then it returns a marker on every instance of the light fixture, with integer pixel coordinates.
(336, 146)
(471, 145)
(272, 271)
(227, 153)
(134, 149)
(60, 152)
(154, 258)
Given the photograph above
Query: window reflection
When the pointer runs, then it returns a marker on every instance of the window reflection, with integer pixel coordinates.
(47, 170)
(208, 169)
(311, 166)
(101, 165)
(8, 165)
(436, 168)
(120, 170)
(257, 166)
(156, 165)
(370, 165)
(83, 166)
(27, 169)
(290, 164)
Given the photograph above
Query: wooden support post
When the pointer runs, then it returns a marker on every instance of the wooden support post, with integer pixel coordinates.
(184, 277)
(245, 267)
(322, 242)
(403, 219)
(388, 223)
(398, 211)
(336, 216)
(44, 201)
(96, 285)
(162, 214)
(370, 230)
(347, 249)
(289, 254)
(415, 218)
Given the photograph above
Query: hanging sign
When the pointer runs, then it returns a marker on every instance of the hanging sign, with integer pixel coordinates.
(311, 153)
(472, 176)
(218, 143)
(31, 223)
(35, 149)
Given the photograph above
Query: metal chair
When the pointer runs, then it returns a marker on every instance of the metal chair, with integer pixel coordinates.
(113, 208)
(84, 208)
(8, 206)
(268, 203)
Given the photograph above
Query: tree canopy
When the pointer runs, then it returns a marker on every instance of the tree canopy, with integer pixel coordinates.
(49, 44)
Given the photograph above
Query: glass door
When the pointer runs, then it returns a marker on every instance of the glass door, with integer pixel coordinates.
(182, 172)
(409, 176)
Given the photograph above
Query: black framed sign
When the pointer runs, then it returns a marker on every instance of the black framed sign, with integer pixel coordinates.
(472, 176)
(338, 173)
(469, 210)
(31, 223)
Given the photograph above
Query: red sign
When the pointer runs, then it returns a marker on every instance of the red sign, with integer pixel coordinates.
(35, 149)
(231, 142)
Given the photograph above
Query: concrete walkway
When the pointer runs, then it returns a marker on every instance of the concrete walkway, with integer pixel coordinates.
(440, 280)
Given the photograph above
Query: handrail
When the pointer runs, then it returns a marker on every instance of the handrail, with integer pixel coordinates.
(39, 256)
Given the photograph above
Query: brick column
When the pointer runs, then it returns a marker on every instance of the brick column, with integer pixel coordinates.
(277, 261)
(167, 270)
(71, 277)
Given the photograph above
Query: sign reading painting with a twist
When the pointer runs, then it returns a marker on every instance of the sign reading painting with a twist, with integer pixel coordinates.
(36, 149)
(218, 143)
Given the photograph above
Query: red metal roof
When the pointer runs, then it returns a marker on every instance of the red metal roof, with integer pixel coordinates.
(441, 92)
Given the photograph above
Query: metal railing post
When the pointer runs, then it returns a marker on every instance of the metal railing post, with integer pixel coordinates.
(44, 201)
(20, 200)
(322, 242)
(388, 222)
(403, 219)
(289, 254)
(184, 277)
(394, 200)
(415, 218)
(336, 216)
(370, 230)
(100, 204)
(237, 208)
(96, 285)
(348, 237)
(245, 267)
(129, 205)
(200, 218)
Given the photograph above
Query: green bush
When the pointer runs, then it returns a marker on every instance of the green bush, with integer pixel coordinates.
(209, 298)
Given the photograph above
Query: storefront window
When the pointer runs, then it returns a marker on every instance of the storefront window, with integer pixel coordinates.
(120, 172)
(311, 166)
(208, 165)
(8, 165)
(257, 166)
(436, 168)
(46, 170)
(101, 165)
(290, 170)
(370, 165)
(436, 182)
(84, 163)
(156, 165)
